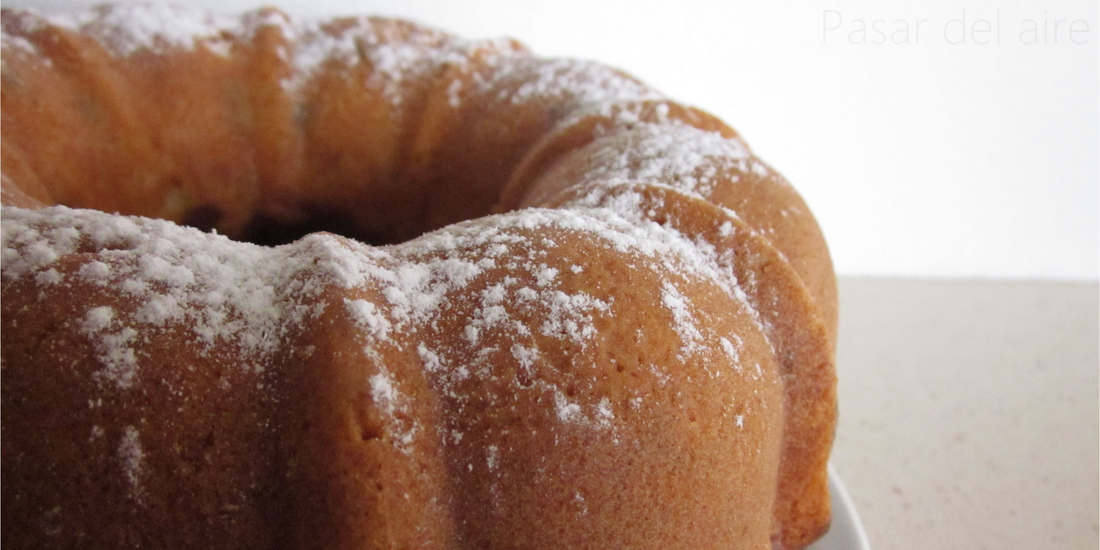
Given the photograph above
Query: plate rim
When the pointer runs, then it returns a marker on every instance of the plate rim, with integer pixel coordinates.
(846, 529)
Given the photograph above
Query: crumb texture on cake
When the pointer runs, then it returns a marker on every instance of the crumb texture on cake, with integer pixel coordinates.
(359, 283)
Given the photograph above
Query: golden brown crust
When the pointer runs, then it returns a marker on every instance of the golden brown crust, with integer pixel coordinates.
(754, 191)
(643, 357)
(78, 468)
(30, 193)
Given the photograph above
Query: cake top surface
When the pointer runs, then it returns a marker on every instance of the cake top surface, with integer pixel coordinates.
(233, 291)
(251, 294)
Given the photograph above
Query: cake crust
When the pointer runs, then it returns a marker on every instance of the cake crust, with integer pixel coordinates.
(562, 310)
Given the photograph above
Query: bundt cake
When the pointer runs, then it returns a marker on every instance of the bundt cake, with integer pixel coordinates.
(363, 284)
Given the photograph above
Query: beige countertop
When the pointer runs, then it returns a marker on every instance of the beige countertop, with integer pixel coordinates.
(969, 413)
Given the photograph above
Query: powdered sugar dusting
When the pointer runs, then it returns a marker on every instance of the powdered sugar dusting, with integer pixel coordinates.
(597, 416)
(131, 457)
(432, 361)
(19, 44)
(113, 345)
(384, 393)
(370, 318)
(98, 318)
(126, 29)
(690, 160)
(381, 390)
(568, 83)
(567, 411)
(96, 271)
(571, 315)
(684, 322)
(48, 278)
(396, 56)
(159, 310)
(732, 350)
(223, 290)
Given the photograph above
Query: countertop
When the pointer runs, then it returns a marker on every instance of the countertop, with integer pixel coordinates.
(969, 412)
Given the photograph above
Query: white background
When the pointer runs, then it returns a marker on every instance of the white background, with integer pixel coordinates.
(940, 157)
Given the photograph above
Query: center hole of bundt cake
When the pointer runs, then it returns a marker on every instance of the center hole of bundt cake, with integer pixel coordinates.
(271, 231)
(365, 221)
(373, 210)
